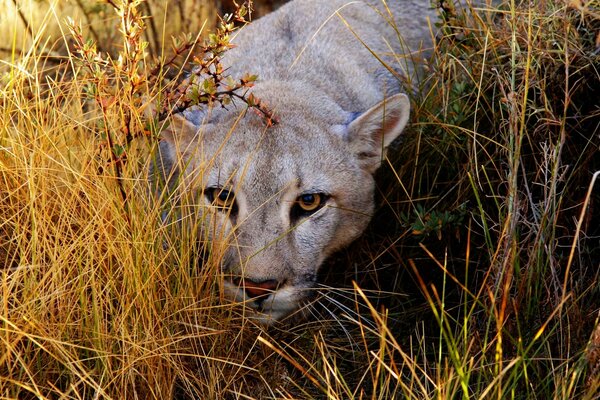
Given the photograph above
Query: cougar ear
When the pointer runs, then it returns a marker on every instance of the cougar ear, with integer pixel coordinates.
(176, 138)
(179, 135)
(373, 131)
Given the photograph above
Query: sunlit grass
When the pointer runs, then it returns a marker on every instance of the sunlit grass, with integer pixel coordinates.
(479, 277)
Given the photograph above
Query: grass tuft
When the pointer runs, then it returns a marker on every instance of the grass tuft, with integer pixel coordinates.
(477, 279)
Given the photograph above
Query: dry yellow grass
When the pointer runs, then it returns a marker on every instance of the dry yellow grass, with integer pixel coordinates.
(464, 289)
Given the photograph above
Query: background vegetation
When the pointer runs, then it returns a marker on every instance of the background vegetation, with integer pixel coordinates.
(479, 276)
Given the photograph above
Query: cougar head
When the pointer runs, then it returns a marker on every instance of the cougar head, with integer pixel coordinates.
(283, 197)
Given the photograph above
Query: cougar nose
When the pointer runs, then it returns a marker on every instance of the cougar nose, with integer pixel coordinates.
(256, 289)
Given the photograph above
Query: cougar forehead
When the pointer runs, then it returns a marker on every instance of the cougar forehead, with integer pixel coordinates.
(267, 160)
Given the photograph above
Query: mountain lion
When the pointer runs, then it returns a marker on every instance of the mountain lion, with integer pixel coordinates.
(289, 195)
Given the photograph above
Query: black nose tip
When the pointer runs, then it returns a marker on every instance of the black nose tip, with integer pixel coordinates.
(255, 289)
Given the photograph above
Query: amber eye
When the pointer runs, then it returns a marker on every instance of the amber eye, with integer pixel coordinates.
(307, 204)
(220, 197)
(310, 201)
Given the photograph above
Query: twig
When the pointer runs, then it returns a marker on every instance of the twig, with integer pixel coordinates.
(86, 14)
(155, 40)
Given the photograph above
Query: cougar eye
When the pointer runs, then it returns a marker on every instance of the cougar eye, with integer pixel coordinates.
(221, 198)
(307, 204)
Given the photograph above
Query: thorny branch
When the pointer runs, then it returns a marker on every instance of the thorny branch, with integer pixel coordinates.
(208, 83)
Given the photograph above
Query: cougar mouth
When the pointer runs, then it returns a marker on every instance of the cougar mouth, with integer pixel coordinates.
(265, 305)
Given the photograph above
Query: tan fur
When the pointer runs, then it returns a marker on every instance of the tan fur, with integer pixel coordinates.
(338, 108)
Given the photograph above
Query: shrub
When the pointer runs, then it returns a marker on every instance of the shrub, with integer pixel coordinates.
(478, 277)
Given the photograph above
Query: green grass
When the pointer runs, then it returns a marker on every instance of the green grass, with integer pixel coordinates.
(477, 279)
